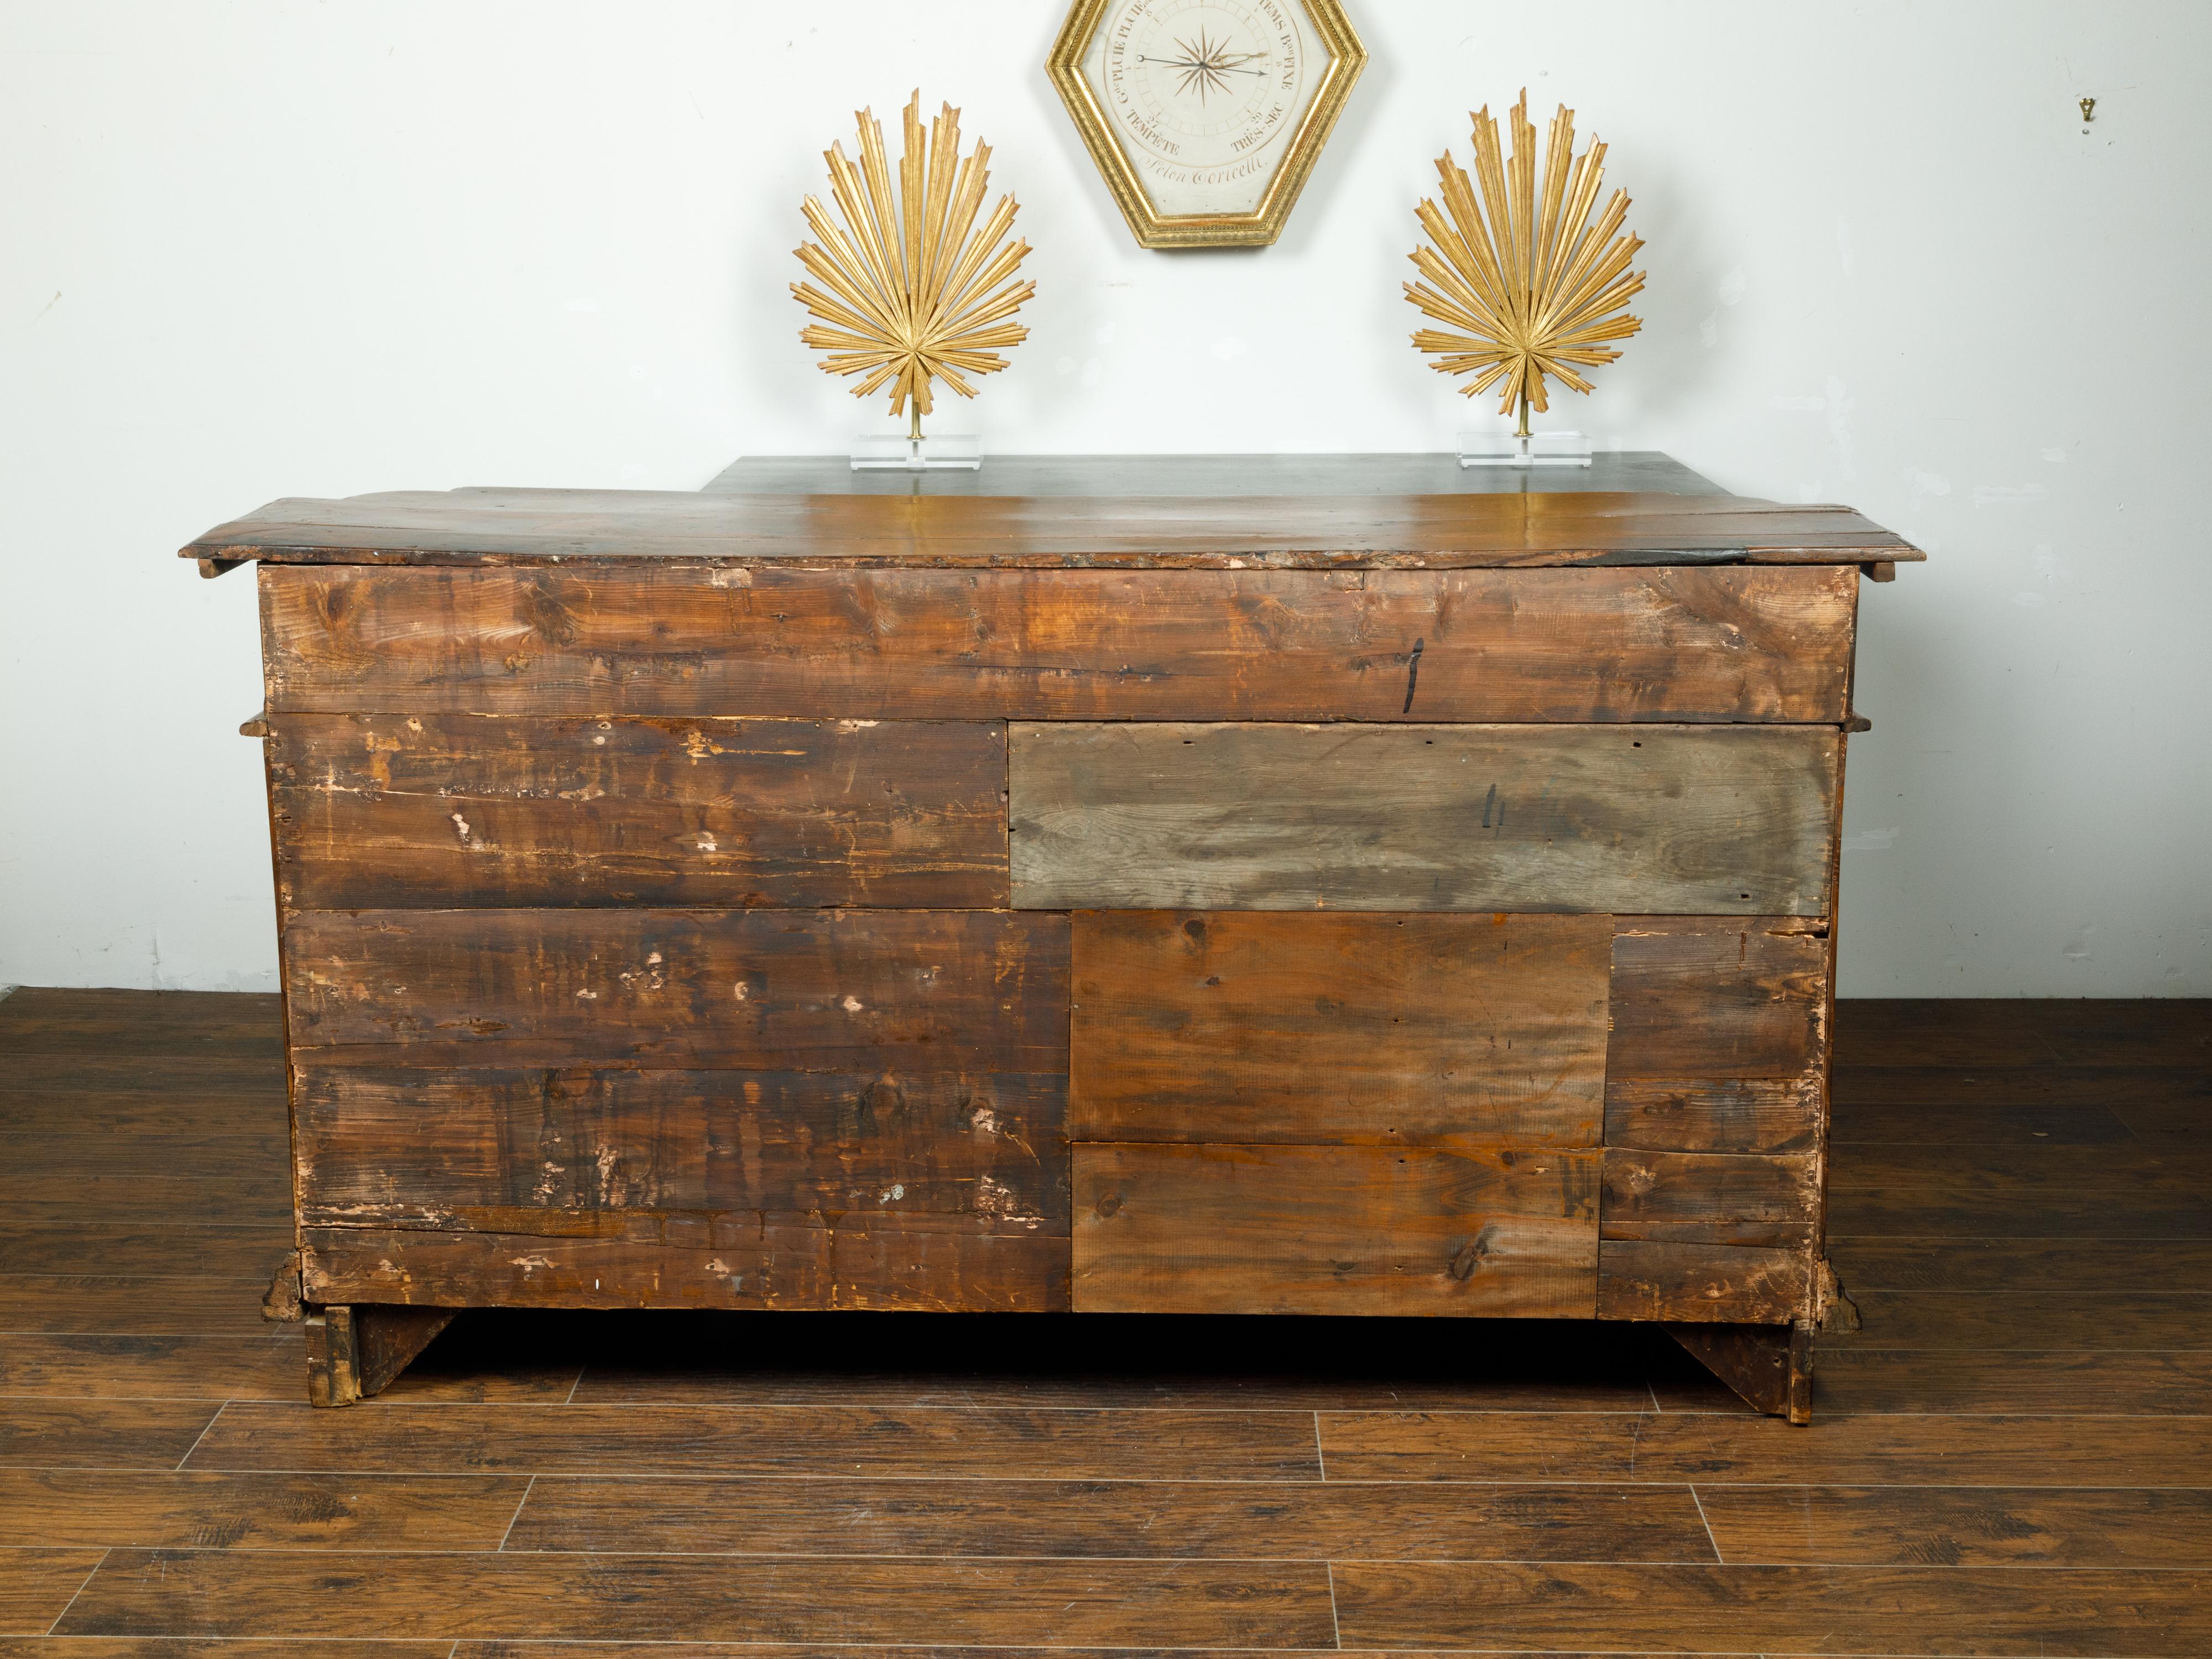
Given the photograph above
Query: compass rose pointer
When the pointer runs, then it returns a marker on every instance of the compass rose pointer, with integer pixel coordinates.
(1206, 66)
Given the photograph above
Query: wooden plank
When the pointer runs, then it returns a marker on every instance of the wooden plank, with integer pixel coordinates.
(36, 1586)
(1714, 1113)
(1674, 644)
(430, 811)
(1946, 1262)
(156, 1249)
(2038, 1191)
(2124, 1090)
(1175, 815)
(105, 1508)
(1165, 1520)
(845, 991)
(145, 1205)
(669, 1598)
(1349, 1229)
(1736, 1447)
(189, 1367)
(1980, 1043)
(105, 1025)
(564, 527)
(1911, 1526)
(1419, 1030)
(911, 1262)
(45, 1145)
(84, 1432)
(256, 1196)
(2134, 1384)
(1719, 1034)
(323, 1647)
(173, 1086)
(2045, 1318)
(884, 1442)
(212, 1304)
(1638, 1279)
(1770, 1202)
(948, 1264)
(1897, 1125)
(2174, 1122)
(732, 1261)
(2175, 1032)
(406, 1147)
(1778, 1609)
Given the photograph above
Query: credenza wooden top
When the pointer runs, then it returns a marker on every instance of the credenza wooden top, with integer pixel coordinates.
(1116, 523)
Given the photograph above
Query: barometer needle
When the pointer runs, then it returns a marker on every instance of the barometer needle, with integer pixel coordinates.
(1185, 63)
(1206, 66)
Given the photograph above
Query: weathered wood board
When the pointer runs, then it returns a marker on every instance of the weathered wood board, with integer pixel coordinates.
(1413, 1030)
(1335, 1230)
(1715, 1089)
(491, 1149)
(850, 991)
(1702, 1282)
(1720, 1034)
(744, 1258)
(489, 527)
(433, 811)
(1176, 816)
(1768, 1200)
(1673, 644)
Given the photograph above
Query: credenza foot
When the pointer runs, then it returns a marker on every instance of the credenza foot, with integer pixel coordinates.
(354, 1352)
(1769, 1366)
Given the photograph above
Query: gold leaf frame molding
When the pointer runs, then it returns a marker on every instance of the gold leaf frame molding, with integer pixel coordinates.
(1258, 228)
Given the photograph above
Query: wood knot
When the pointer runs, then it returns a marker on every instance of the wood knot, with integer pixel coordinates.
(1470, 1256)
(1109, 1206)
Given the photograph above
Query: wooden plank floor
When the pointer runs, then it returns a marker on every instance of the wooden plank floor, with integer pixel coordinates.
(2013, 1457)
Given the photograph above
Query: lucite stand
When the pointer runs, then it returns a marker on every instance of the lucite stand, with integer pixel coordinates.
(1523, 449)
(892, 452)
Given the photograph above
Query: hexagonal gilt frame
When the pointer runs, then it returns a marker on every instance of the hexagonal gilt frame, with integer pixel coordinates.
(1153, 229)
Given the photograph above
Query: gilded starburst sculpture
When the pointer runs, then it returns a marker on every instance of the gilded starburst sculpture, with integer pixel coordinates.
(916, 293)
(1527, 285)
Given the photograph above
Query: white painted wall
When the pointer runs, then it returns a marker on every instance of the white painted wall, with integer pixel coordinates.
(283, 248)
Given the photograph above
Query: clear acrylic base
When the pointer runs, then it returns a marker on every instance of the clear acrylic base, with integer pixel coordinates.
(894, 452)
(1538, 449)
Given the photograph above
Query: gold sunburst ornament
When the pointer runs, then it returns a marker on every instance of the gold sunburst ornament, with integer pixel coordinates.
(1526, 285)
(913, 296)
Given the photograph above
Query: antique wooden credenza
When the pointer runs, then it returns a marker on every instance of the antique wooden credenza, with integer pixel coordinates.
(1320, 886)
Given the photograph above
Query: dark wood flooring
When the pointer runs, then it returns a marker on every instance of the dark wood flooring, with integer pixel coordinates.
(2013, 1457)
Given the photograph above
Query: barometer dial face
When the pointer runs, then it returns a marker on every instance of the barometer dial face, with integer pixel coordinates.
(1204, 94)
(1207, 107)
